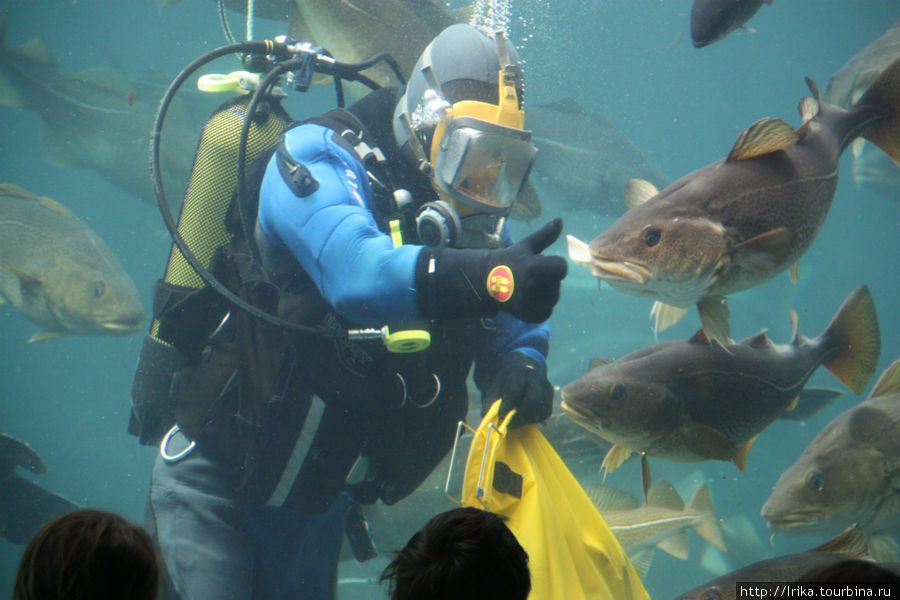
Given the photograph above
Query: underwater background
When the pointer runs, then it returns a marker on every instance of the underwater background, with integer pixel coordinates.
(630, 61)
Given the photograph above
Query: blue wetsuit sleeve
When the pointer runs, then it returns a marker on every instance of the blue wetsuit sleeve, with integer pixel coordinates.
(333, 234)
(511, 335)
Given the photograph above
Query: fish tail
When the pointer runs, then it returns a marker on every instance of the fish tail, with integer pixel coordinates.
(883, 96)
(708, 527)
(854, 340)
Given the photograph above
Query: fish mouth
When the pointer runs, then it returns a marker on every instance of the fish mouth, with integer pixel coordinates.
(791, 521)
(122, 326)
(585, 418)
(619, 270)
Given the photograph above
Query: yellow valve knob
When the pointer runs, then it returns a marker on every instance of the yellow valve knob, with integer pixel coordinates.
(240, 82)
(409, 340)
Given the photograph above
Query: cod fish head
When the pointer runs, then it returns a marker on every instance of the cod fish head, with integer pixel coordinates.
(671, 259)
(826, 490)
(87, 301)
(623, 410)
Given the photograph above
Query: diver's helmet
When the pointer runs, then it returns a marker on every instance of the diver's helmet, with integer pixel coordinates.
(461, 121)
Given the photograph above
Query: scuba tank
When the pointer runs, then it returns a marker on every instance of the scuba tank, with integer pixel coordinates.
(217, 359)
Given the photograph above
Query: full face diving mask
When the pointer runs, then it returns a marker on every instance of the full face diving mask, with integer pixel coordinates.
(481, 154)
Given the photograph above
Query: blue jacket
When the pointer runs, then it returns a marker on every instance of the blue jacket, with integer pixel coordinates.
(333, 235)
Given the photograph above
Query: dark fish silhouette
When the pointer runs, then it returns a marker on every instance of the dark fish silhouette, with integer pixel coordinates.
(739, 221)
(99, 118)
(24, 506)
(789, 568)
(712, 20)
(583, 161)
(691, 400)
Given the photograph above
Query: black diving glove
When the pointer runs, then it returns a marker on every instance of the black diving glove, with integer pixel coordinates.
(519, 280)
(522, 383)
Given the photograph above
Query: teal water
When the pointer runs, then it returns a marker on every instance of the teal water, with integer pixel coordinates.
(631, 62)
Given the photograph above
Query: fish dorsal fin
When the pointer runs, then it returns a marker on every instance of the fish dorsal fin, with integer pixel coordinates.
(813, 88)
(10, 189)
(663, 494)
(614, 459)
(638, 191)
(808, 108)
(599, 362)
(37, 50)
(677, 544)
(763, 137)
(606, 497)
(760, 340)
(51, 204)
(579, 252)
(850, 542)
(699, 338)
(888, 382)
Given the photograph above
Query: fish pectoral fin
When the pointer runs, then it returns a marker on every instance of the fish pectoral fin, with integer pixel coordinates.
(714, 560)
(888, 382)
(765, 251)
(677, 545)
(579, 252)
(704, 441)
(740, 459)
(638, 191)
(714, 313)
(808, 402)
(30, 284)
(851, 542)
(792, 272)
(641, 561)
(765, 136)
(527, 206)
(45, 336)
(665, 315)
(614, 459)
(883, 548)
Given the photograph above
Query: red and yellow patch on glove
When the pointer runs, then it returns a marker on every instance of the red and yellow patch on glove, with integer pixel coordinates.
(500, 283)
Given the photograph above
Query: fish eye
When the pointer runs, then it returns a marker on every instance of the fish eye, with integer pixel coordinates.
(712, 594)
(99, 289)
(650, 236)
(618, 392)
(816, 481)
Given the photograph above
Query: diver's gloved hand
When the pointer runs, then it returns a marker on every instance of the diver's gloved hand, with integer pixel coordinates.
(522, 384)
(519, 280)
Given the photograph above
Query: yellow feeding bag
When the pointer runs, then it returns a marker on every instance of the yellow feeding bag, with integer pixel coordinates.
(572, 553)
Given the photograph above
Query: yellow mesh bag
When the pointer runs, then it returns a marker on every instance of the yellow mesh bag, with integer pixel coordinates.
(572, 553)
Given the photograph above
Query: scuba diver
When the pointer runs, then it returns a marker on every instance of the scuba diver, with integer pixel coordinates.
(392, 211)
